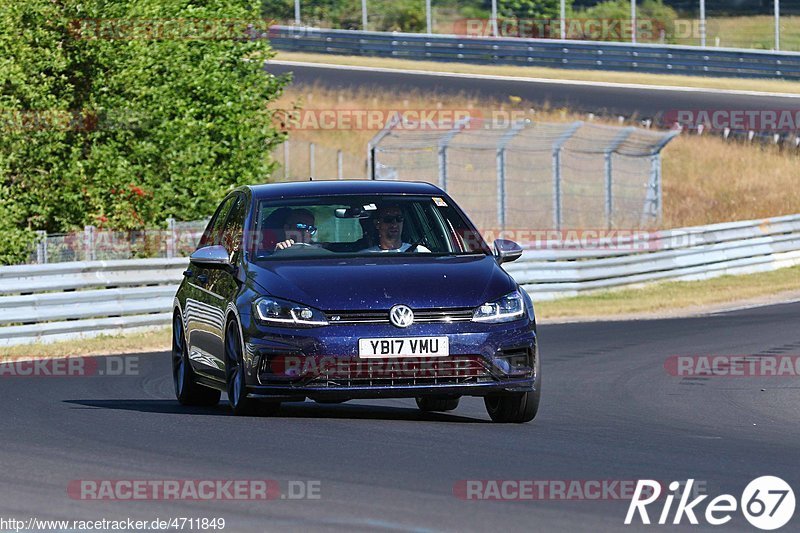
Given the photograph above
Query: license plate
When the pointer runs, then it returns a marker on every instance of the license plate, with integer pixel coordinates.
(403, 347)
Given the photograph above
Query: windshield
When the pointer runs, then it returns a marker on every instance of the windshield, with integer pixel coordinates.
(361, 225)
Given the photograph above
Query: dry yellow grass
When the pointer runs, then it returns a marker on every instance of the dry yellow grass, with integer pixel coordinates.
(672, 297)
(155, 340)
(757, 85)
(706, 179)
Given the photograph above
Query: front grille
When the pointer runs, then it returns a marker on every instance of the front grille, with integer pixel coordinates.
(423, 316)
(400, 372)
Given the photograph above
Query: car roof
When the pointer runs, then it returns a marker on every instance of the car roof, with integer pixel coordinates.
(334, 187)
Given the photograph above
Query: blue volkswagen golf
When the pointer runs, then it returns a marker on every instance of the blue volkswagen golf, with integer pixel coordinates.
(337, 290)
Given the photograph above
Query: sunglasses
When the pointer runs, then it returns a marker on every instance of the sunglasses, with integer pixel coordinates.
(307, 228)
(391, 219)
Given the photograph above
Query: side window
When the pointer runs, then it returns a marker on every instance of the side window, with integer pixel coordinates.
(213, 233)
(233, 232)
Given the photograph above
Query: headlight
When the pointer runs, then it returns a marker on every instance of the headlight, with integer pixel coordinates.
(509, 307)
(277, 312)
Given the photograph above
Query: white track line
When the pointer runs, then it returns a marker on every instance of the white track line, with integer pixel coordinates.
(535, 80)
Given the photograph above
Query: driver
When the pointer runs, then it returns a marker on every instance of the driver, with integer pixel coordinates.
(388, 222)
(297, 229)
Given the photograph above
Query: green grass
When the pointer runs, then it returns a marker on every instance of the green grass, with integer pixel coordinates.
(752, 32)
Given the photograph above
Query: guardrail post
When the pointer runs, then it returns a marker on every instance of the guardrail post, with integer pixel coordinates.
(41, 247)
(88, 243)
(443, 167)
(501, 170)
(703, 23)
(311, 160)
(653, 199)
(557, 145)
(501, 188)
(608, 154)
(286, 159)
(444, 142)
(171, 238)
(375, 141)
(364, 21)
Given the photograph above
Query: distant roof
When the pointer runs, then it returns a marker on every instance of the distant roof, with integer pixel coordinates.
(334, 187)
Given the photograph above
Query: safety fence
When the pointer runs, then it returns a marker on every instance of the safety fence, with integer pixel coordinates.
(533, 174)
(587, 55)
(93, 244)
(303, 160)
(68, 300)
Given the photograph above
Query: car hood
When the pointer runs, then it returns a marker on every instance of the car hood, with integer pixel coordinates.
(379, 283)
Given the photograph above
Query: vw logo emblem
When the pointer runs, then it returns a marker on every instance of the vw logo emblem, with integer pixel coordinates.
(401, 316)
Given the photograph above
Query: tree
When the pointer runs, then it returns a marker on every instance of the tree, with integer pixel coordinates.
(532, 9)
(128, 112)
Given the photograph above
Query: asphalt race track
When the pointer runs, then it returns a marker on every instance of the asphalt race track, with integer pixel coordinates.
(610, 412)
(588, 98)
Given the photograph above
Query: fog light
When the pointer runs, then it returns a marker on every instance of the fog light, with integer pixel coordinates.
(502, 364)
(517, 361)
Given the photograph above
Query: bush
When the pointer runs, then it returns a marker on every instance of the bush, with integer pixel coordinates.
(383, 15)
(531, 9)
(127, 132)
(653, 17)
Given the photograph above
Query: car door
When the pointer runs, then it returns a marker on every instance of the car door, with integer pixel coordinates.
(223, 286)
(204, 317)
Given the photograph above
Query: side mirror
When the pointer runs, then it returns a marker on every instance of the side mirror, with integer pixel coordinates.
(506, 251)
(211, 256)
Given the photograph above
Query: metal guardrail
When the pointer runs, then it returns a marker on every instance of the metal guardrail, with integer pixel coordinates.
(69, 300)
(62, 301)
(593, 55)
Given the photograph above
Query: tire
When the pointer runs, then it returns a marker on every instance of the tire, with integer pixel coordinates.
(515, 408)
(187, 391)
(240, 404)
(430, 404)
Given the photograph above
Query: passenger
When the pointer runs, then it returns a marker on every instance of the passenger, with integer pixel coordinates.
(388, 222)
(297, 229)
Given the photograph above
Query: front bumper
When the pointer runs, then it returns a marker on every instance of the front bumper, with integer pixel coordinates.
(323, 363)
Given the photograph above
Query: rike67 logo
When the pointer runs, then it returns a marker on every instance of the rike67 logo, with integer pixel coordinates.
(767, 503)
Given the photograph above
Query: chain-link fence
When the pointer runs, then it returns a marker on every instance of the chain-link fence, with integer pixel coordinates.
(756, 24)
(93, 244)
(301, 160)
(533, 175)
